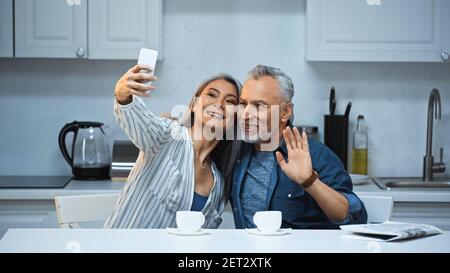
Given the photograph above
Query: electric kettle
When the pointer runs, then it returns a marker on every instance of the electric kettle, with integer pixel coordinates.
(90, 157)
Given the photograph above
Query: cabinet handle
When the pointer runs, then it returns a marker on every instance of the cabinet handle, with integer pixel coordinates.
(444, 56)
(80, 52)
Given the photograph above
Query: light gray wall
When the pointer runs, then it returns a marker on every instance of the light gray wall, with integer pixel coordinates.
(37, 97)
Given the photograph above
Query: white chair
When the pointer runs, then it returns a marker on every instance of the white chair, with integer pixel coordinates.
(379, 208)
(76, 209)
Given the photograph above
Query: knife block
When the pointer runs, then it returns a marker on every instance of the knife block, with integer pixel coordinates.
(336, 135)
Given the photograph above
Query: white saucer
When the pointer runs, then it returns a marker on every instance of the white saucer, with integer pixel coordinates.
(177, 231)
(356, 176)
(360, 182)
(281, 231)
(358, 179)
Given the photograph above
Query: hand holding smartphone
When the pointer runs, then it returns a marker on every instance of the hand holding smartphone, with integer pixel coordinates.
(148, 57)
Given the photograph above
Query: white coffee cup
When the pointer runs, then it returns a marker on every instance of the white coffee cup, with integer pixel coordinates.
(267, 221)
(190, 221)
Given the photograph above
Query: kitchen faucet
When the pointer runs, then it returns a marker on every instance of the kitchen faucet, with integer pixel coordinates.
(429, 167)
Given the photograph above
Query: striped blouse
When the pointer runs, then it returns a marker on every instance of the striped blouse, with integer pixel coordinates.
(162, 180)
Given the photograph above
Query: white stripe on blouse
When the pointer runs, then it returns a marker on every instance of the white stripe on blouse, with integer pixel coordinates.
(162, 180)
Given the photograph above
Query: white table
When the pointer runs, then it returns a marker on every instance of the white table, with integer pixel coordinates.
(217, 241)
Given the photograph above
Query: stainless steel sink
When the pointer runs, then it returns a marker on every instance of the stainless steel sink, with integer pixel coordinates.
(429, 166)
(388, 183)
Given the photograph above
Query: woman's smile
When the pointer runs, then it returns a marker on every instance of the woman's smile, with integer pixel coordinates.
(215, 113)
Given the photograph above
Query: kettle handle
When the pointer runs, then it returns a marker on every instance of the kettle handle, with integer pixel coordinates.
(69, 127)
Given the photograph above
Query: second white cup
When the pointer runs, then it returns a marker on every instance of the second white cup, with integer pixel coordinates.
(190, 221)
(267, 221)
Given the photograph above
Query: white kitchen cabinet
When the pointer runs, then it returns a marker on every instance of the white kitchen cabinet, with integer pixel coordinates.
(27, 214)
(118, 29)
(94, 29)
(437, 214)
(378, 30)
(51, 28)
(6, 28)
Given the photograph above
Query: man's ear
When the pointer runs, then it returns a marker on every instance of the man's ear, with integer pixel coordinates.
(287, 112)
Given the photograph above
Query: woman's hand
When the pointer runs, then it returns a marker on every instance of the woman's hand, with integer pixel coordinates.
(131, 83)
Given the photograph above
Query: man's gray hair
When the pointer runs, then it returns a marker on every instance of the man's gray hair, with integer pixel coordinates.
(283, 80)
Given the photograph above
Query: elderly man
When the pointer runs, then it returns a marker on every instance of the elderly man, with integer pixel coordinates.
(280, 169)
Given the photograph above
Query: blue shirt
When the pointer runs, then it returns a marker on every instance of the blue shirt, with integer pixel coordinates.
(199, 202)
(255, 185)
(299, 209)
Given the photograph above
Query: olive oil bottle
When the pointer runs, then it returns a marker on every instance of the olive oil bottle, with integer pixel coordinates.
(360, 147)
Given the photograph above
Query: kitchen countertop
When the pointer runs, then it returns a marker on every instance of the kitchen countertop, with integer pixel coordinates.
(216, 241)
(404, 195)
(74, 187)
(79, 187)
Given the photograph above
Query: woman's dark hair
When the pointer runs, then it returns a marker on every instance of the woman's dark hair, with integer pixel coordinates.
(227, 151)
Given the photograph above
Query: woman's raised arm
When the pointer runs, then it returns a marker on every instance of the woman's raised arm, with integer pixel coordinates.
(146, 130)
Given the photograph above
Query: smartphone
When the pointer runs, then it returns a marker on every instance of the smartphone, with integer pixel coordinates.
(148, 57)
